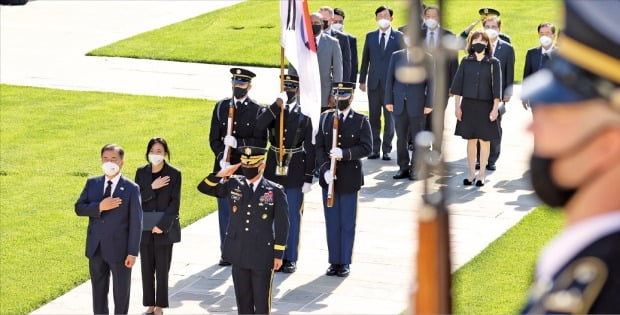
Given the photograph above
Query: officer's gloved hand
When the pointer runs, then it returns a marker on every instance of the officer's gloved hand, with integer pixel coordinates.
(224, 164)
(230, 141)
(335, 153)
(328, 176)
(526, 104)
(282, 96)
(306, 188)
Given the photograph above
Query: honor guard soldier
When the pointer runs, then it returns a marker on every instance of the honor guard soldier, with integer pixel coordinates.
(576, 163)
(232, 124)
(256, 235)
(343, 139)
(290, 159)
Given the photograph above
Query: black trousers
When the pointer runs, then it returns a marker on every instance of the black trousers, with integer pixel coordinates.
(407, 127)
(375, 107)
(495, 145)
(100, 278)
(252, 290)
(155, 263)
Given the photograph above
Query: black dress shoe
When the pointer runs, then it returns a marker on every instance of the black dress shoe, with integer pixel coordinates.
(479, 183)
(412, 175)
(491, 167)
(467, 182)
(332, 270)
(410, 147)
(477, 166)
(373, 156)
(386, 157)
(289, 267)
(223, 262)
(401, 174)
(344, 271)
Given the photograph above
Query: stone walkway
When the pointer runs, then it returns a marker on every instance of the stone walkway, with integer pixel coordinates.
(43, 44)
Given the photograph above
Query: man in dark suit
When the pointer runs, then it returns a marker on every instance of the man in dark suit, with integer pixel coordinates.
(354, 143)
(246, 111)
(506, 55)
(576, 163)
(256, 235)
(378, 48)
(538, 57)
(432, 35)
(112, 203)
(295, 170)
(343, 40)
(338, 25)
(409, 103)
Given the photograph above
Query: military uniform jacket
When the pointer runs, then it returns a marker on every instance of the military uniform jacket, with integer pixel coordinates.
(355, 140)
(588, 284)
(244, 125)
(258, 226)
(297, 134)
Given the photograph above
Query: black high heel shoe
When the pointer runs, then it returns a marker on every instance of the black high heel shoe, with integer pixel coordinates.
(479, 183)
(467, 182)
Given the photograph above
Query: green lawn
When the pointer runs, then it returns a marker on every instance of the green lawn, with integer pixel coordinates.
(248, 33)
(497, 280)
(50, 145)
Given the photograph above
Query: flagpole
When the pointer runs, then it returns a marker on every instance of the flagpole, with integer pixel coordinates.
(281, 142)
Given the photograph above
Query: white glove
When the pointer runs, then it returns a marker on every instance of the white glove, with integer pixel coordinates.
(230, 141)
(306, 188)
(335, 153)
(328, 177)
(224, 164)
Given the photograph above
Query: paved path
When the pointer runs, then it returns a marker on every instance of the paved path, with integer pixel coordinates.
(43, 44)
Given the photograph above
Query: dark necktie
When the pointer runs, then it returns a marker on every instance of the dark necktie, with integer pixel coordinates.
(431, 40)
(238, 104)
(251, 189)
(545, 59)
(382, 42)
(341, 117)
(108, 190)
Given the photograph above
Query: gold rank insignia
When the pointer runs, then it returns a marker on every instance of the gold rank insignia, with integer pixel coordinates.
(248, 151)
(288, 77)
(238, 71)
(264, 216)
(340, 85)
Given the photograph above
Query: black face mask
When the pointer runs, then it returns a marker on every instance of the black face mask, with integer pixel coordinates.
(544, 186)
(316, 29)
(343, 104)
(325, 24)
(479, 47)
(291, 95)
(249, 172)
(239, 92)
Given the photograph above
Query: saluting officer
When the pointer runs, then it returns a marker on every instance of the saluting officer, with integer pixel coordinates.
(245, 112)
(576, 163)
(294, 171)
(354, 142)
(256, 235)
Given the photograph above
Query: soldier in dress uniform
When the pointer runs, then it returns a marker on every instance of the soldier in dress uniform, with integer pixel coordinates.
(576, 163)
(246, 111)
(295, 171)
(354, 143)
(256, 236)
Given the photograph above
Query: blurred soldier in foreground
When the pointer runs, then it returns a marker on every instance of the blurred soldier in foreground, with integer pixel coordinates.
(576, 163)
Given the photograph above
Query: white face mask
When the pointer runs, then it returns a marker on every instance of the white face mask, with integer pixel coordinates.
(337, 27)
(431, 23)
(384, 23)
(155, 159)
(492, 33)
(546, 40)
(110, 168)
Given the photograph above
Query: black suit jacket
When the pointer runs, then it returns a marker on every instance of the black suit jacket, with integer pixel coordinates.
(345, 48)
(533, 61)
(355, 140)
(354, 60)
(166, 199)
(116, 232)
(414, 96)
(297, 133)
(258, 226)
(506, 55)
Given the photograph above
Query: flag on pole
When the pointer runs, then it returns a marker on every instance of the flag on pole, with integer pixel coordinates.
(300, 51)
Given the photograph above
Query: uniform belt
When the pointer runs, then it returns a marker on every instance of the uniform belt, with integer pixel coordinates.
(291, 151)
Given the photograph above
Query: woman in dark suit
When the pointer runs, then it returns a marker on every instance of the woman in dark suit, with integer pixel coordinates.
(477, 83)
(160, 188)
